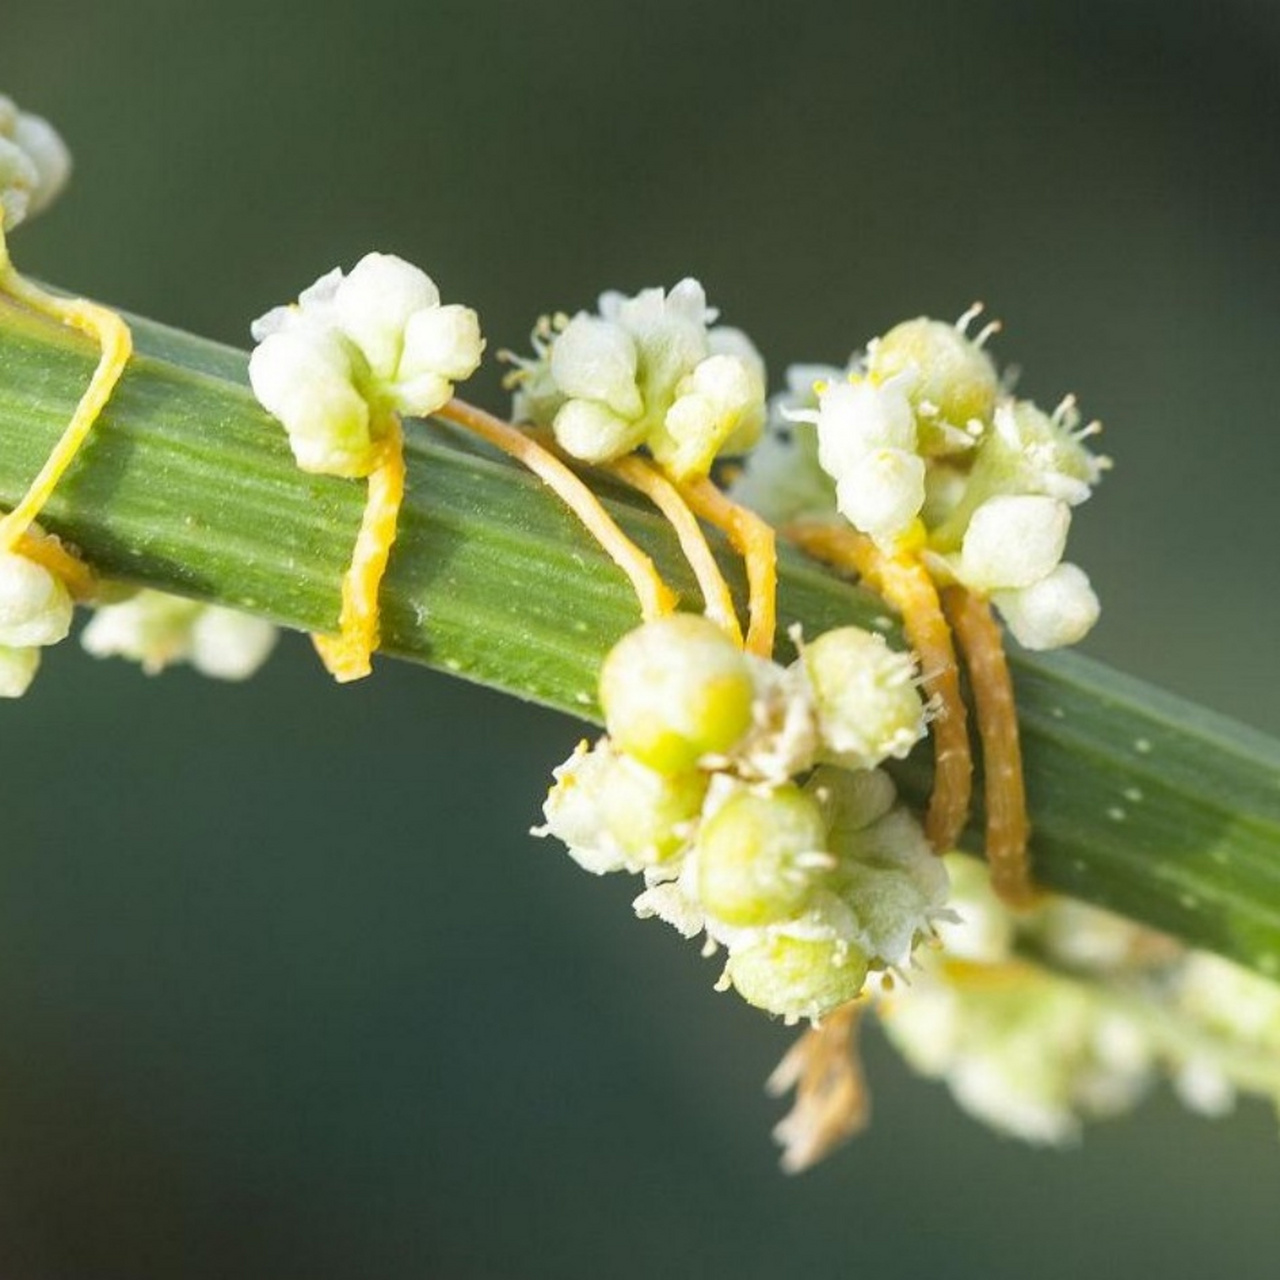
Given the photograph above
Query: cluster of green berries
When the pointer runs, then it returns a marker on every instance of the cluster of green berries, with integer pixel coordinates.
(747, 795)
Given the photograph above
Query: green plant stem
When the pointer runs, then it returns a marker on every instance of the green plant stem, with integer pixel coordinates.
(1139, 801)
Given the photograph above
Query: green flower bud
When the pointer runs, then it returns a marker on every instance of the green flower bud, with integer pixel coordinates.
(868, 704)
(760, 855)
(955, 380)
(676, 690)
(851, 800)
(797, 977)
(615, 814)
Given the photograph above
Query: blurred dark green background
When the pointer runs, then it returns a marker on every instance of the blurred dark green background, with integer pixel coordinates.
(284, 988)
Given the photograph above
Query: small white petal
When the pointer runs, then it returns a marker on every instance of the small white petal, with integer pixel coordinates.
(302, 377)
(883, 494)
(35, 606)
(593, 359)
(48, 153)
(373, 305)
(229, 645)
(1058, 610)
(592, 432)
(1013, 541)
(854, 418)
(444, 340)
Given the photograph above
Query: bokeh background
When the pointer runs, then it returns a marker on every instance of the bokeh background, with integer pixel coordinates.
(285, 990)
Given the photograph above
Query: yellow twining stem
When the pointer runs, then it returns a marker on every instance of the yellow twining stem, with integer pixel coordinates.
(347, 655)
(832, 1103)
(112, 335)
(48, 552)
(1008, 828)
(754, 540)
(905, 584)
(656, 598)
(645, 478)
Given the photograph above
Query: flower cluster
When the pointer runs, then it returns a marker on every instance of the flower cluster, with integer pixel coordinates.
(916, 445)
(158, 630)
(353, 349)
(34, 164)
(649, 370)
(35, 611)
(1042, 1021)
(747, 795)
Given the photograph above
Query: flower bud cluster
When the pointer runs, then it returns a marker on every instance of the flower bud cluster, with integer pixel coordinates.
(649, 370)
(34, 164)
(158, 630)
(353, 349)
(747, 795)
(919, 446)
(1041, 1021)
(35, 611)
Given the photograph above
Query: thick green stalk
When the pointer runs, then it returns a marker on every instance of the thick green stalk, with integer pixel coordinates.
(1139, 801)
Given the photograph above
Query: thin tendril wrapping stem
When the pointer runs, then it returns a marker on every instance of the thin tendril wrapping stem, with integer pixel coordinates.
(112, 335)
(754, 540)
(645, 478)
(347, 655)
(906, 585)
(656, 598)
(981, 642)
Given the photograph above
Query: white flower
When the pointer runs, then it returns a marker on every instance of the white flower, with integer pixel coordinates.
(304, 377)
(35, 605)
(593, 359)
(882, 496)
(157, 630)
(1013, 541)
(354, 348)
(34, 164)
(865, 693)
(722, 398)
(856, 417)
(646, 370)
(1058, 610)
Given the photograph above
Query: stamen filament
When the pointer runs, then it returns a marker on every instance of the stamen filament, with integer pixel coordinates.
(656, 598)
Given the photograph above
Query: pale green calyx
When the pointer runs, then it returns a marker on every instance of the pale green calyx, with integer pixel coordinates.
(868, 703)
(796, 977)
(158, 630)
(34, 164)
(353, 349)
(645, 370)
(675, 691)
(615, 814)
(760, 856)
